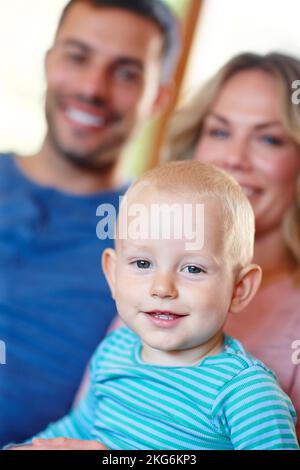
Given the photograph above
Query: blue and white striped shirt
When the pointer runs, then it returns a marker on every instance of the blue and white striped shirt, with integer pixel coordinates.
(228, 401)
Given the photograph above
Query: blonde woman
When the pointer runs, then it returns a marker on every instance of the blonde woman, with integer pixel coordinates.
(245, 121)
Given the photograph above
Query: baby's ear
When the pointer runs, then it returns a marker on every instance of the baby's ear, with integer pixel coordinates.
(109, 268)
(246, 286)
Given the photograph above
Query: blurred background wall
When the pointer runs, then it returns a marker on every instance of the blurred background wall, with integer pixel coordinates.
(227, 27)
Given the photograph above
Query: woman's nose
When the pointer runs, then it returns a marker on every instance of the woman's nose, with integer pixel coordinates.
(237, 155)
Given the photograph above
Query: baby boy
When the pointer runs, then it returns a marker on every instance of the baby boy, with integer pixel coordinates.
(170, 378)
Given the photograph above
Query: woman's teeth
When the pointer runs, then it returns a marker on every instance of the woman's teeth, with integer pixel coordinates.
(249, 191)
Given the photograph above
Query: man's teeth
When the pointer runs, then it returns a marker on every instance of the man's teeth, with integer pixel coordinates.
(86, 119)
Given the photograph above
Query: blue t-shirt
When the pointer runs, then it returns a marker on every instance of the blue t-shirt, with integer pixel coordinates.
(55, 305)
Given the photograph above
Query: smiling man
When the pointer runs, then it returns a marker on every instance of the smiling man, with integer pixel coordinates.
(108, 71)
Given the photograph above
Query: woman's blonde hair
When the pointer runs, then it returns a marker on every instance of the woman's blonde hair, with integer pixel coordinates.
(186, 126)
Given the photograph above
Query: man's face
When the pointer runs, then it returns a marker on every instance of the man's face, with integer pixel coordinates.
(103, 76)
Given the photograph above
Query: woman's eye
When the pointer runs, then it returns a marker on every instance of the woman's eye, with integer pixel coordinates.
(142, 264)
(271, 140)
(218, 133)
(192, 270)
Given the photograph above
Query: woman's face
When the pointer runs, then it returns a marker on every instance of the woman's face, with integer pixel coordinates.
(244, 135)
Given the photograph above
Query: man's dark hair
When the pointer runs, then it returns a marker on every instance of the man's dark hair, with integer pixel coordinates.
(153, 10)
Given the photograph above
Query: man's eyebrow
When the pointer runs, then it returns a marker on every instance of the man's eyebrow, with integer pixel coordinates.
(74, 43)
(119, 60)
(130, 61)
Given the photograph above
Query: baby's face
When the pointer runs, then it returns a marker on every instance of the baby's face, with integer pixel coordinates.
(175, 298)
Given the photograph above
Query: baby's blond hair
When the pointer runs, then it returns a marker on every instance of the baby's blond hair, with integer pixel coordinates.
(198, 179)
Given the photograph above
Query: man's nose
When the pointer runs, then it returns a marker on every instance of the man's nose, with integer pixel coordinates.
(95, 83)
(163, 286)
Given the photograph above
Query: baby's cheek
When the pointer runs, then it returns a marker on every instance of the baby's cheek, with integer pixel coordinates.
(126, 301)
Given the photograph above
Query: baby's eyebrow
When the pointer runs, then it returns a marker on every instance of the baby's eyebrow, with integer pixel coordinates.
(135, 247)
(205, 257)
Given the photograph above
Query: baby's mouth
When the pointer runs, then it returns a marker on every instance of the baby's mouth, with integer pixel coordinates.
(164, 315)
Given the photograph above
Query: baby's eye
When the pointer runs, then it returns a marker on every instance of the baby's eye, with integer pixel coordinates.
(142, 264)
(192, 269)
